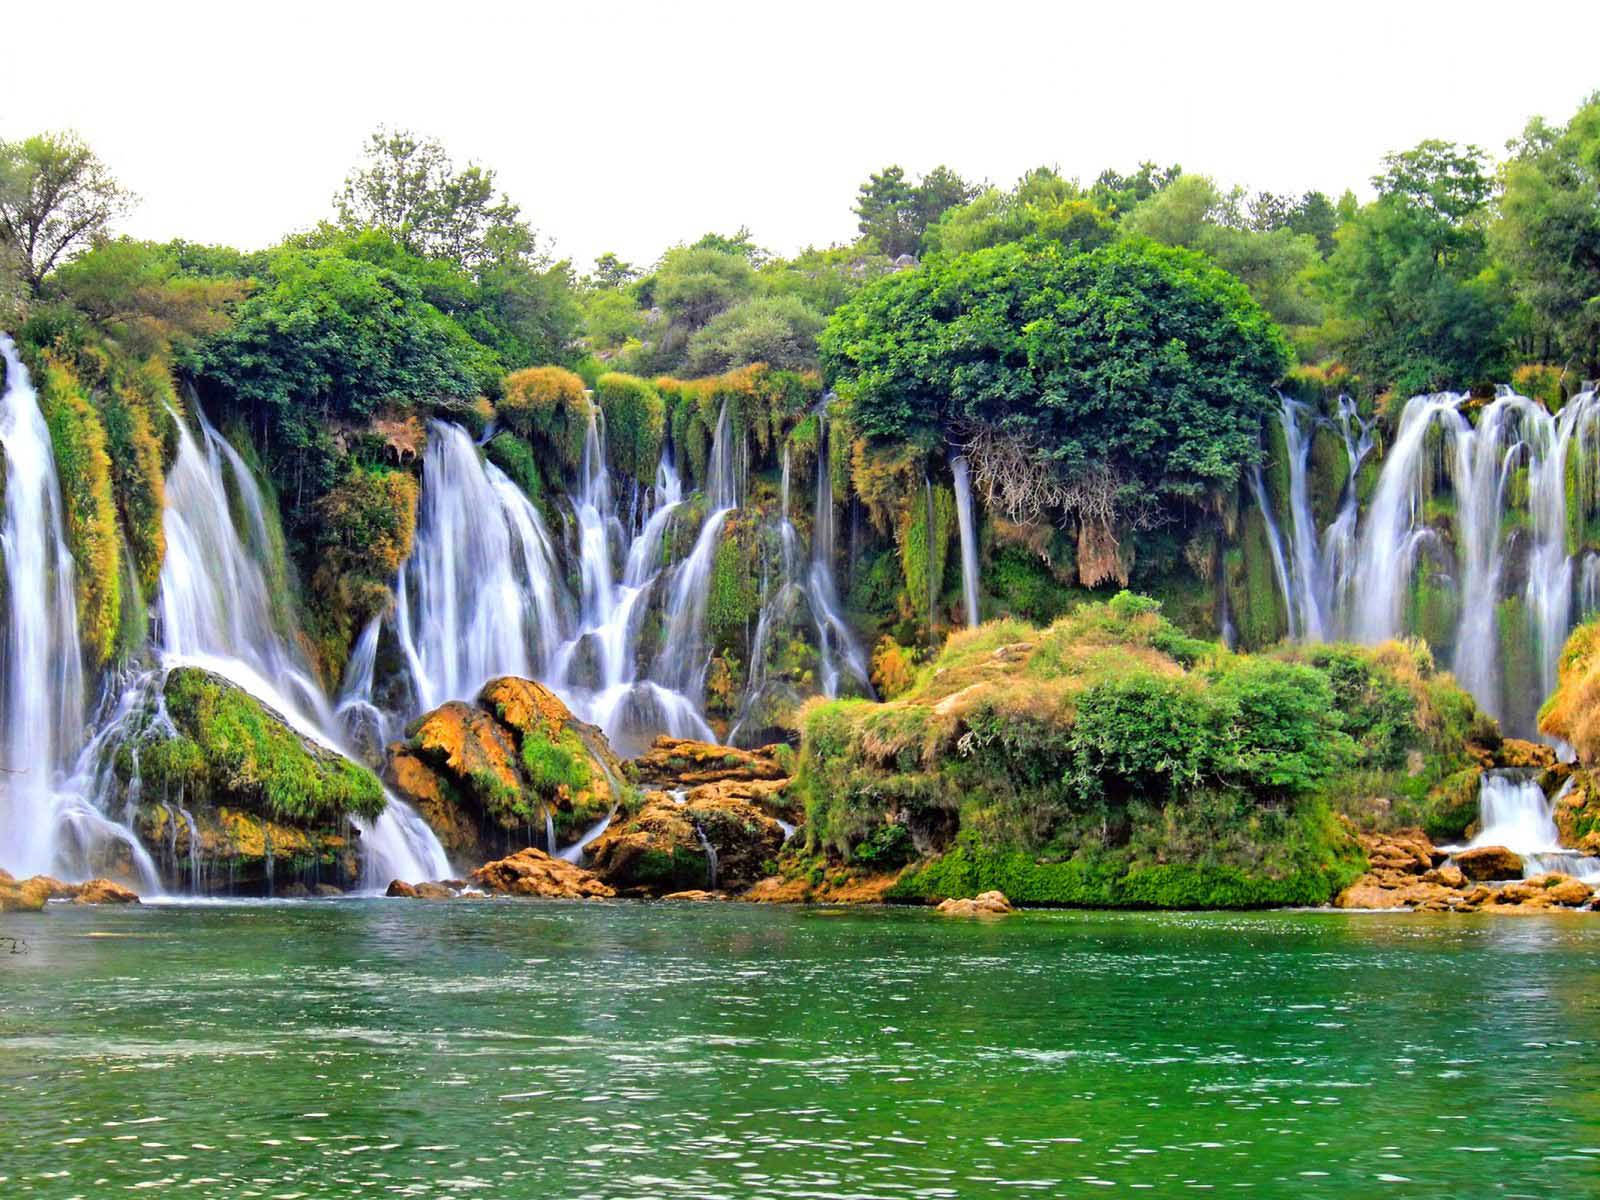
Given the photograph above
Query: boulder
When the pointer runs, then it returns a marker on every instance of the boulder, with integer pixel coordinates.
(662, 848)
(532, 872)
(695, 894)
(104, 891)
(985, 904)
(1449, 876)
(1563, 890)
(1366, 893)
(1408, 851)
(226, 790)
(486, 775)
(1484, 863)
(685, 763)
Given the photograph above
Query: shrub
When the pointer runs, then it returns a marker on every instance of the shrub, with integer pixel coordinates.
(548, 405)
(512, 455)
(635, 424)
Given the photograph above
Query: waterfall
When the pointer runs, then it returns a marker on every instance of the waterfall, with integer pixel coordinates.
(1292, 601)
(475, 599)
(836, 644)
(48, 824)
(1339, 539)
(1306, 554)
(969, 536)
(216, 612)
(1514, 812)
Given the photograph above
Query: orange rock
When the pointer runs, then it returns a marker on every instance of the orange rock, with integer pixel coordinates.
(104, 891)
(685, 763)
(1485, 863)
(985, 904)
(532, 872)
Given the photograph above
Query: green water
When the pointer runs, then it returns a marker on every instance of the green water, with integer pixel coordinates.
(565, 1050)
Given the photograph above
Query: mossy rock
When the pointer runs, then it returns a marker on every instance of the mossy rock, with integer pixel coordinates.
(486, 775)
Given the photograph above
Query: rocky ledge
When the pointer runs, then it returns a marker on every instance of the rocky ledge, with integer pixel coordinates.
(31, 895)
(1409, 872)
(528, 872)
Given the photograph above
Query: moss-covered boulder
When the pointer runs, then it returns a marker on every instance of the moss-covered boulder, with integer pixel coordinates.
(715, 837)
(228, 797)
(487, 776)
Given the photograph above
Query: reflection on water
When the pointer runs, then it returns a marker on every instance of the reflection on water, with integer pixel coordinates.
(532, 1049)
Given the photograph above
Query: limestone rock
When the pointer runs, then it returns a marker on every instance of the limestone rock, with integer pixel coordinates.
(1484, 863)
(658, 850)
(485, 775)
(685, 763)
(695, 894)
(532, 872)
(985, 904)
(104, 891)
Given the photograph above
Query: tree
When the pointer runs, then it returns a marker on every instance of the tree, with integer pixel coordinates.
(1135, 364)
(56, 198)
(1411, 277)
(408, 187)
(611, 272)
(1253, 240)
(1043, 204)
(780, 331)
(1548, 233)
(895, 213)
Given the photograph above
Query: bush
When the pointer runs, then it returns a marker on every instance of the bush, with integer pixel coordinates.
(780, 331)
(548, 405)
(635, 424)
(1140, 735)
(512, 455)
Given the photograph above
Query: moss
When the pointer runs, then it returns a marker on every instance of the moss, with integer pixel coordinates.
(548, 405)
(231, 750)
(1452, 805)
(364, 531)
(84, 468)
(734, 598)
(513, 456)
(1027, 587)
(674, 870)
(925, 547)
(1254, 598)
(131, 413)
(1329, 469)
(635, 424)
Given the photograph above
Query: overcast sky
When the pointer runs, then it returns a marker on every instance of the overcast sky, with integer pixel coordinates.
(628, 127)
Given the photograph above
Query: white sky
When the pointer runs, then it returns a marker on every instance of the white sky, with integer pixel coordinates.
(630, 126)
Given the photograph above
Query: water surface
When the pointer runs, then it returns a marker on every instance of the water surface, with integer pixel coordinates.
(373, 1048)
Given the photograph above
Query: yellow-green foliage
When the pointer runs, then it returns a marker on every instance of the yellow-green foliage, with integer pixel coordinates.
(761, 404)
(924, 547)
(1572, 713)
(1542, 382)
(231, 751)
(133, 411)
(548, 404)
(365, 529)
(84, 467)
(635, 424)
(886, 476)
(893, 668)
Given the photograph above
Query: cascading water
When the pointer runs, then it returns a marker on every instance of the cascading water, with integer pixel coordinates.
(216, 612)
(967, 528)
(476, 598)
(1514, 812)
(837, 645)
(1501, 553)
(48, 823)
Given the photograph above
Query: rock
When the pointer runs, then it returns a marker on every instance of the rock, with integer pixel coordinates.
(1484, 863)
(658, 850)
(435, 891)
(104, 891)
(1365, 893)
(485, 775)
(401, 890)
(20, 897)
(532, 872)
(1408, 851)
(1515, 752)
(1563, 890)
(696, 895)
(844, 886)
(1449, 876)
(685, 763)
(326, 890)
(985, 904)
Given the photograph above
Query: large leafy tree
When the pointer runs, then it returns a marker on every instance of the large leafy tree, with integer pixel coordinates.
(1092, 386)
(1043, 204)
(1411, 278)
(56, 198)
(1548, 233)
(408, 187)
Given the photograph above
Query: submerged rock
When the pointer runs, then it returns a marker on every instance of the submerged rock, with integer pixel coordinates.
(532, 872)
(486, 776)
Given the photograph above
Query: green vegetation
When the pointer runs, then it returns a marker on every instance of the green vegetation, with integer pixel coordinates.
(231, 751)
(635, 424)
(1109, 758)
